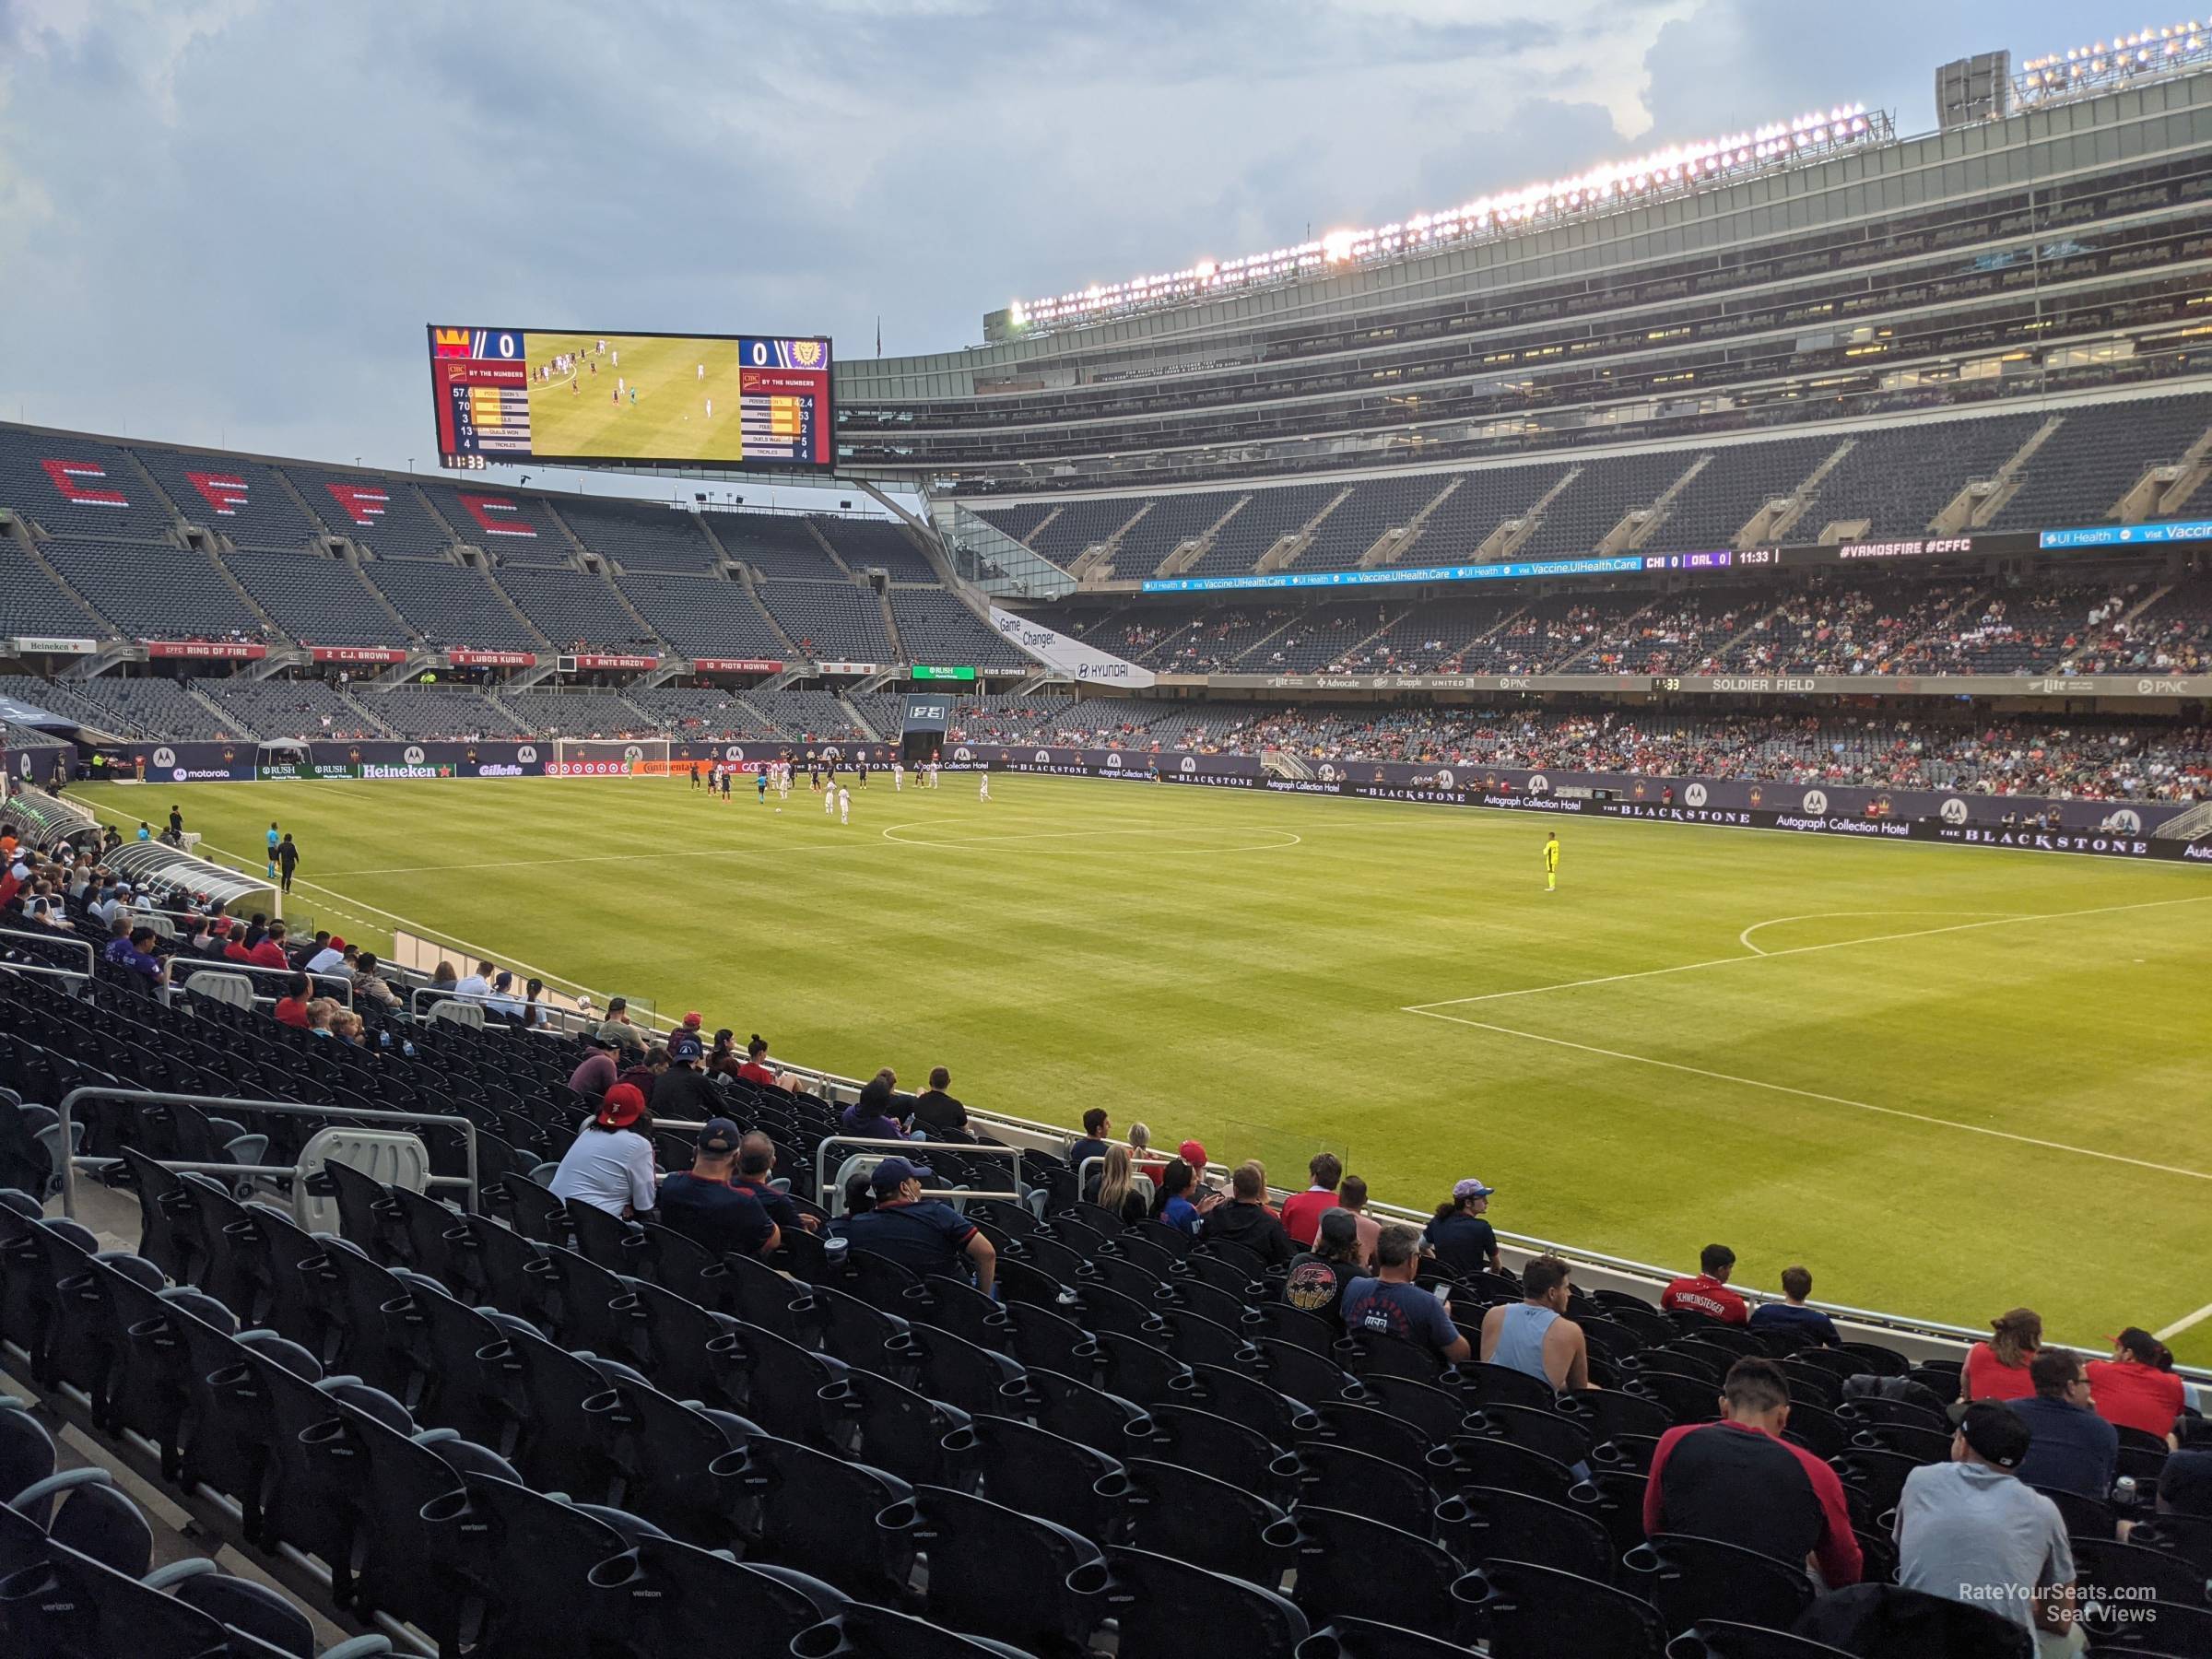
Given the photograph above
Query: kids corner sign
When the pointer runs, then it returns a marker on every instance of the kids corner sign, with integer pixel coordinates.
(1055, 649)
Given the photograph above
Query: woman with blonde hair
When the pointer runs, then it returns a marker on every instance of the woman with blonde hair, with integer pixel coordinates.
(1118, 1191)
(1997, 1368)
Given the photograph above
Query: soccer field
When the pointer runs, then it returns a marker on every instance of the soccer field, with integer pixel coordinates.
(1948, 1080)
(668, 418)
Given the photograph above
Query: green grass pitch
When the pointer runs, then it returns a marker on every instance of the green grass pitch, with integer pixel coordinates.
(1953, 1082)
(668, 418)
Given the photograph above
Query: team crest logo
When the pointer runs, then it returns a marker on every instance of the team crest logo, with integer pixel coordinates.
(806, 354)
(1444, 780)
(413, 755)
(1190, 763)
(1953, 811)
(228, 756)
(1539, 783)
(526, 754)
(633, 753)
(165, 757)
(1327, 774)
(963, 753)
(2128, 821)
(1693, 794)
(1043, 758)
(1638, 791)
(1816, 802)
(1757, 795)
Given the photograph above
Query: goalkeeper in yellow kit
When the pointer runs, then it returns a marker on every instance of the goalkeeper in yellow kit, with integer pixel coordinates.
(1552, 863)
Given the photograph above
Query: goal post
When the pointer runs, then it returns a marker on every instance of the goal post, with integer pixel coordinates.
(608, 757)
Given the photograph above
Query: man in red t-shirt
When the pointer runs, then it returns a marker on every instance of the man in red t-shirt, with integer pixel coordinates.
(291, 1007)
(269, 953)
(1708, 1291)
(1303, 1211)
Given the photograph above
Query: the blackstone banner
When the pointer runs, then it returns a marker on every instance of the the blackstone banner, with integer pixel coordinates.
(1141, 765)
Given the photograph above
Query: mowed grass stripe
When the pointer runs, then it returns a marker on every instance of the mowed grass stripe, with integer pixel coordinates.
(1253, 998)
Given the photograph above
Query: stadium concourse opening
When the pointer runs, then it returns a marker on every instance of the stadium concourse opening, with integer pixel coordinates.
(1367, 947)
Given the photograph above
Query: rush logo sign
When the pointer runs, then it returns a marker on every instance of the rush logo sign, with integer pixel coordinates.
(496, 515)
(225, 493)
(71, 477)
(363, 504)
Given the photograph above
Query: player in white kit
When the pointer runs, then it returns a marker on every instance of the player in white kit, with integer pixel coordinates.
(829, 801)
(844, 805)
(898, 775)
(702, 371)
(710, 408)
(982, 786)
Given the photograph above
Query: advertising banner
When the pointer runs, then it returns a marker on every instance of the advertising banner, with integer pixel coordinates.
(386, 758)
(1072, 657)
(193, 763)
(49, 645)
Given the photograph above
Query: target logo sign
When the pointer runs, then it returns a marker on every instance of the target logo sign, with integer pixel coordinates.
(1693, 794)
(413, 754)
(1953, 811)
(1815, 801)
(165, 757)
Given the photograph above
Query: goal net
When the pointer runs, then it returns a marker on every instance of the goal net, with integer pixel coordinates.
(608, 757)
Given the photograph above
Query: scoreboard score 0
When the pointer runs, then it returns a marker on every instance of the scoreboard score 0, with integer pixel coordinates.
(505, 396)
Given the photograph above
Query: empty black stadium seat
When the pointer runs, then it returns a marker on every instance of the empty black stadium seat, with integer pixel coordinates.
(1527, 1611)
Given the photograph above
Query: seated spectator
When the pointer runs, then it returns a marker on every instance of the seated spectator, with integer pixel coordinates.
(1390, 1304)
(1317, 1276)
(1172, 1199)
(610, 1164)
(478, 984)
(443, 979)
(2075, 1450)
(2136, 1387)
(1462, 1242)
(684, 1093)
(617, 1025)
(234, 948)
(1971, 1530)
(332, 953)
(869, 1117)
(348, 1027)
(269, 953)
(1792, 1315)
(756, 1070)
(534, 1016)
(2185, 1477)
(369, 985)
(1997, 1368)
(1141, 1155)
(1245, 1219)
(595, 1073)
(319, 1010)
(133, 953)
(1303, 1211)
(291, 1007)
(1534, 1335)
(1352, 1195)
(501, 1000)
(1739, 1481)
(646, 1070)
(937, 1114)
(756, 1173)
(1707, 1291)
(1118, 1189)
(1096, 1125)
(709, 1206)
(923, 1235)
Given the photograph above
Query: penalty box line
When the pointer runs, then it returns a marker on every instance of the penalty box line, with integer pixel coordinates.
(1813, 1094)
(1756, 954)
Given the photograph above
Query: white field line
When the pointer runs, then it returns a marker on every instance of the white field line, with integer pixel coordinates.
(1744, 938)
(890, 834)
(2187, 1322)
(1810, 1094)
(1918, 933)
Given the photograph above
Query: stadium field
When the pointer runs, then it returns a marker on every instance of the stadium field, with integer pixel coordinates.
(668, 418)
(1948, 1080)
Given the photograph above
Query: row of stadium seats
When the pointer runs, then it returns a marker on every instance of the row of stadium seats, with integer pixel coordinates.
(1136, 1434)
(1894, 480)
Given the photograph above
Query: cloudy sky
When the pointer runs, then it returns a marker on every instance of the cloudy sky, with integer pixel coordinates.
(227, 221)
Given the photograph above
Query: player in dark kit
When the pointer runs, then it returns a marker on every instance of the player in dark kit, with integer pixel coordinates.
(863, 772)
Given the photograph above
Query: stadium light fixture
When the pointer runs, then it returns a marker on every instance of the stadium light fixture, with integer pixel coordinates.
(2148, 53)
(1603, 189)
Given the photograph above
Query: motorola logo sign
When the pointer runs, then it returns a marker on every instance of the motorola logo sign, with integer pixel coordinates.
(165, 757)
(1816, 802)
(1693, 794)
(962, 754)
(1444, 780)
(1539, 784)
(2126, 821)
(1327, 774)
(526, 754)
(413, 756)
(736, 751)
(1113, 762)
(1953, 811)
(1190, 763)
(1043, 757)
(633, 753)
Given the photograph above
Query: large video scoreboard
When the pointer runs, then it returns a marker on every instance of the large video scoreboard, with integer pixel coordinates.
(510, 395)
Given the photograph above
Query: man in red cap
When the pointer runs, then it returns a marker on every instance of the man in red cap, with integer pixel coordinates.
(610, 1165)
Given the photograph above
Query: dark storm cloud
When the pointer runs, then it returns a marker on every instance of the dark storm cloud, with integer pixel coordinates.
(228, 220)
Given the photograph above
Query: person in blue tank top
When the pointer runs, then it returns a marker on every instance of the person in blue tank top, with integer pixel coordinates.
(1535, 1335)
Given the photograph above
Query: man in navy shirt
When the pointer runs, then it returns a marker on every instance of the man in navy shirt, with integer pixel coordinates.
(1097, 1126)
(707, 1206)
(1793, 1315)
(2074, 1450)
(756, 1165)
(923, 1235)
(1390, 1304)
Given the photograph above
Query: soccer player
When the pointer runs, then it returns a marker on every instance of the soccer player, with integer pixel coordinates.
(694, 772)
(898, 775)
(844, 805)
(702, 371)
(760, 781)
(864, 769)
(829, 801)
(1552, 863)
(710, 408)
(982, 785)
(274, 839)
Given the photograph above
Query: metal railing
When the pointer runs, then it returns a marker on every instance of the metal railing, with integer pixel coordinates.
(65, 1111)
(66, 941)
(863, 1143)
(316, 982)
